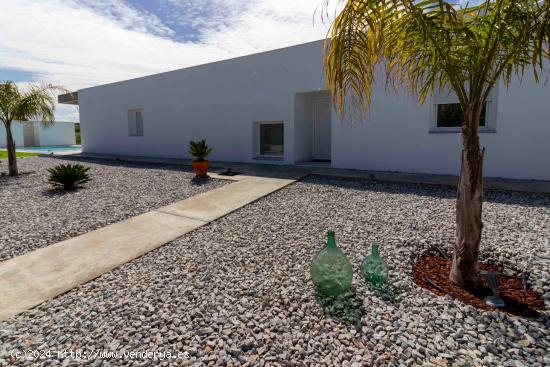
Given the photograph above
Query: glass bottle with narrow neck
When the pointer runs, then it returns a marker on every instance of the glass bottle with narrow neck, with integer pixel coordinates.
(331, 240)
(374, 268)
(331, 271)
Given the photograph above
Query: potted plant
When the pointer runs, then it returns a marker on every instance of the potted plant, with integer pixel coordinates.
(200, 150)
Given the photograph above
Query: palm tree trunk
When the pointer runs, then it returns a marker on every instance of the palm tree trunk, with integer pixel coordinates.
(465, 266)
(10, 146)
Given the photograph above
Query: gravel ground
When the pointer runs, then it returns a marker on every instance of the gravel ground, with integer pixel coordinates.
(237, 292)
(32, 215)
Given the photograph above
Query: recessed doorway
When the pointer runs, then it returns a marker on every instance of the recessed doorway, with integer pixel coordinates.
(313, 127)
(321, 129)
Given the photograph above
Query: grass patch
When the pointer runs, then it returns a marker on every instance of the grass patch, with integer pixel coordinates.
(4, 154)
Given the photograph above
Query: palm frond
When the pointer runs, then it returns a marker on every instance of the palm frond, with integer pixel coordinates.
(433, 45)
(38, 103)
(35, 102)
(9, 95)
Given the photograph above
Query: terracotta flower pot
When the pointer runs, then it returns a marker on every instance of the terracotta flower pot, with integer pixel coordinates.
(200, 168)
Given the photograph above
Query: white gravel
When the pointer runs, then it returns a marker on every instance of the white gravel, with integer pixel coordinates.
(237, 292)
(32, 215)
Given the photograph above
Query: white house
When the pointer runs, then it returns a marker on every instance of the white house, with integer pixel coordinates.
(34, 134)
(273, 107)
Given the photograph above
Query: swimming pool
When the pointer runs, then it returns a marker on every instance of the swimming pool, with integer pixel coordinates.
(52, 149)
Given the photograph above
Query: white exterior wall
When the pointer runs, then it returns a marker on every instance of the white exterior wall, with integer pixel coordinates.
(17, 133)
(221, 101)
(218, 102)
(60, 133)
(396, 136)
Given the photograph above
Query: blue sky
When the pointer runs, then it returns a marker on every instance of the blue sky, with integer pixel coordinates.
(17, 76)
(168, 14)
(82, 43)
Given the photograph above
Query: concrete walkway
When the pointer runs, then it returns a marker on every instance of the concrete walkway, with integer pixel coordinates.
(30, 279)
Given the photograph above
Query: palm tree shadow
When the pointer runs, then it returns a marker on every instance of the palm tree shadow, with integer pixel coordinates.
(346, 308)
(4, 175)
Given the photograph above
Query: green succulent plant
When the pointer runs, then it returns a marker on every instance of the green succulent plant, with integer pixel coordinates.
(69, 176)
(199, 149)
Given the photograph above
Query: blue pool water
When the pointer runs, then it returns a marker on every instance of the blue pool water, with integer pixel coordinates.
(63, 148)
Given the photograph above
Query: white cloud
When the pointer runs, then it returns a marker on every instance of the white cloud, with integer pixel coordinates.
(206, 14)
(85, 43)
(128, 16)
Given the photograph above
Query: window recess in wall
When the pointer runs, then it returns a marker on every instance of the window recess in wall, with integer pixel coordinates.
(450, 115)
(135, 122)
(269, 139)
(447, 117)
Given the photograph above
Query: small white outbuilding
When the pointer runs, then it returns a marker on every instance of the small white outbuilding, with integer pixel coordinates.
(35, 134)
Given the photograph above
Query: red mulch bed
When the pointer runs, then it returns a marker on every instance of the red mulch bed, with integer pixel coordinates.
(518, 302)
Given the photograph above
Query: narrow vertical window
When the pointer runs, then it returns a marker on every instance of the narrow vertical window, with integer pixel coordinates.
(139, 123)
(135, 122)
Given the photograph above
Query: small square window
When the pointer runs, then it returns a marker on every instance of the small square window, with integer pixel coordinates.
(450, 115)
(135, 122)
(271, 142)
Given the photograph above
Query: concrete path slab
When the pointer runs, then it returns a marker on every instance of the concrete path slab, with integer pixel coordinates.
(30, 279)
(214, 204)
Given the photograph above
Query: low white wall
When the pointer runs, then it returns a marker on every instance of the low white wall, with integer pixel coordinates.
(60, 133)
(17, 133)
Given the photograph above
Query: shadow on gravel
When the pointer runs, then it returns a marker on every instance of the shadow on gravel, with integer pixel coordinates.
(387, 292)
(6, 180)
(345, 308)
(127, 164)
(430, 190)
(200, 181)
(54, 192)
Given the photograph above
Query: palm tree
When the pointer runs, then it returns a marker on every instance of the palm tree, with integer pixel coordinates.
(434, 46)
(36, 102)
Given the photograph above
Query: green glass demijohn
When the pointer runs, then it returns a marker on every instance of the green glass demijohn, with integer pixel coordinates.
(331, 271)
(374, 268)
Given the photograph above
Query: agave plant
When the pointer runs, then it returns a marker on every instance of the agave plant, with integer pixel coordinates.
(199, 149)
(69, 176)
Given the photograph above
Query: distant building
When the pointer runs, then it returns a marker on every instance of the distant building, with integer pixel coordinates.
(34, 134)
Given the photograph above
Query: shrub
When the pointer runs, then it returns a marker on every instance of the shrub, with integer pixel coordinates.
(69, 176)
(199, 149)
